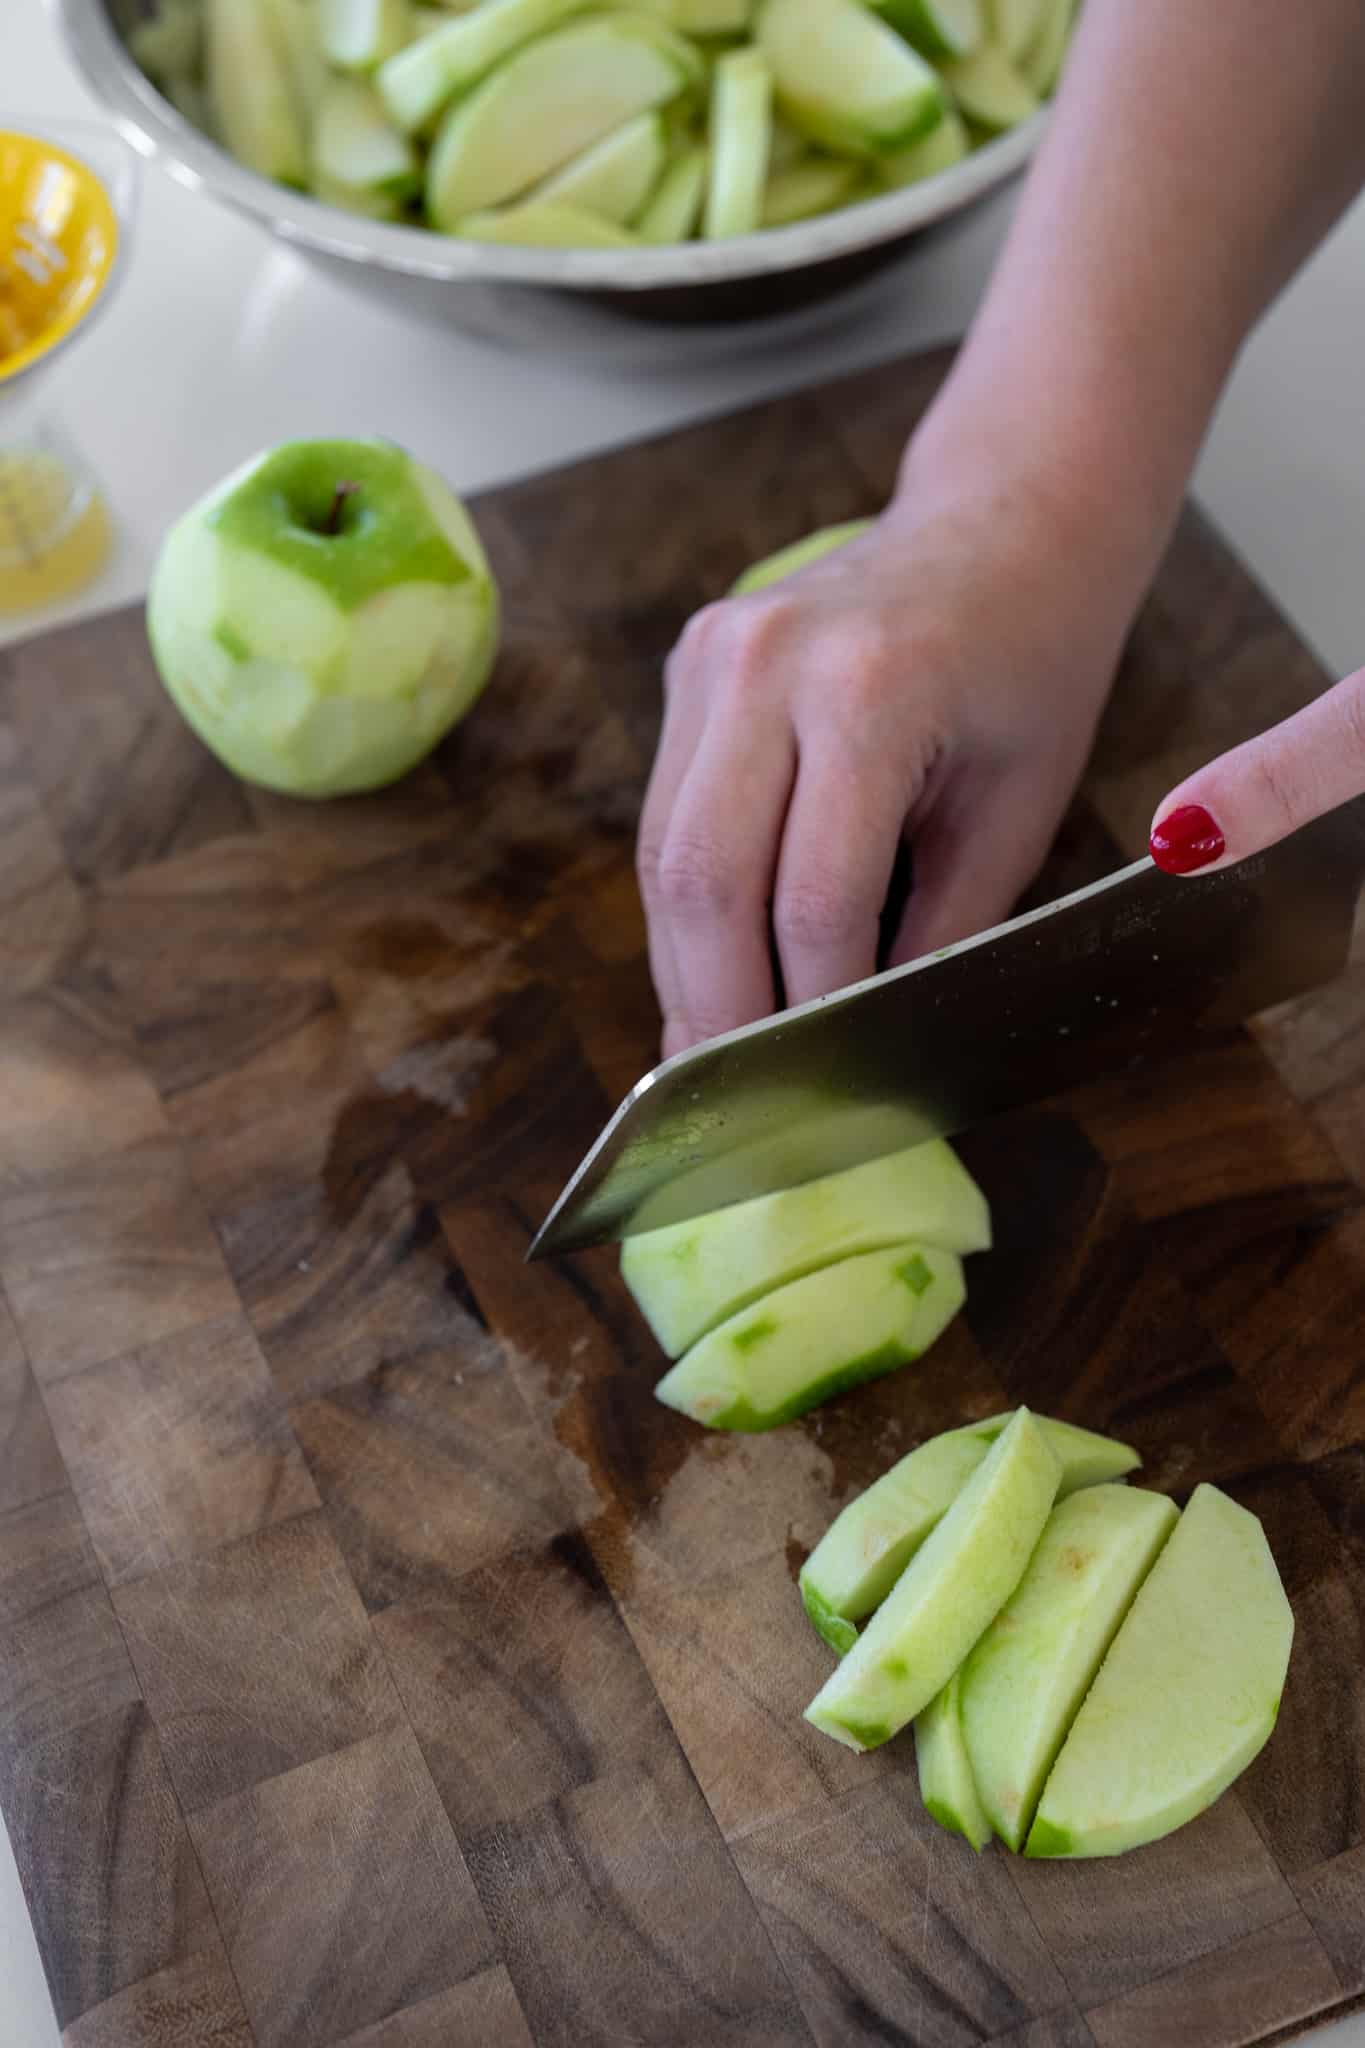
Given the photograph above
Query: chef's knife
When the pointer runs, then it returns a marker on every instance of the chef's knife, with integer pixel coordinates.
(1086, 986)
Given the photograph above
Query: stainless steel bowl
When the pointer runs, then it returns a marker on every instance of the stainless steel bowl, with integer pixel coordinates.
(538, 297)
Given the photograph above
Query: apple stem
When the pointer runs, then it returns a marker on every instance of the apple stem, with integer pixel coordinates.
(332, 523)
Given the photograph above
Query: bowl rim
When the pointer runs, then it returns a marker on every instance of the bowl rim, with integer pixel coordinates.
(155, 128)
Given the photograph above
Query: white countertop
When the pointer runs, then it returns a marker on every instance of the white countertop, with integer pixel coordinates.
(222, 342)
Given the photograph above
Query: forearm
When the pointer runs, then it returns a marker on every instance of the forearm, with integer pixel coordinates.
(1196, 156)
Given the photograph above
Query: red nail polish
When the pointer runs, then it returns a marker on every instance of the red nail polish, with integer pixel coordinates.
(1185, 839)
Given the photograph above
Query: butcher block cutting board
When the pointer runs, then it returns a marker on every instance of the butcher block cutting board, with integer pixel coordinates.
(380, 1664)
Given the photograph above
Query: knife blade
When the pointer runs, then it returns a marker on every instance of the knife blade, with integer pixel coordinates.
(1088, 985)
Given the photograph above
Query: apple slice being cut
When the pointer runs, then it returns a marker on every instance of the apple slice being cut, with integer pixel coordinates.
(866, 1548)
(741, 127)
(953, 1587)
(548, 103)
(1186, 1696)
(1026, 1678)
(688, 1277)
(846, 79)
(946, 1784)
(816, 1338)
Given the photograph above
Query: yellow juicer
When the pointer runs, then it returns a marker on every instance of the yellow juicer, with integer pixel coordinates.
(62, 230)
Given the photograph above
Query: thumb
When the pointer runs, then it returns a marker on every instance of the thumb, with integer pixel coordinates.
(1268, 787)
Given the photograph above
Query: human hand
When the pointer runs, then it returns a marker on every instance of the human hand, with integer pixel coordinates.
(937, 680)
(1261, 791)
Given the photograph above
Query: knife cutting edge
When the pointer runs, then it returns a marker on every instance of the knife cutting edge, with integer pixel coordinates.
(1087, 985)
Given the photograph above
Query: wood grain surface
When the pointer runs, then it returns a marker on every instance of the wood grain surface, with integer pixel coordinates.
(380, 1664)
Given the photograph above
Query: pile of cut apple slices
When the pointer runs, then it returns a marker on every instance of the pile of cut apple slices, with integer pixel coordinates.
(553, 123)
(1086, 1670)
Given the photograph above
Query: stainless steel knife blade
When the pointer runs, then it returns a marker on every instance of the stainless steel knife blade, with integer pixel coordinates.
(1088, 985)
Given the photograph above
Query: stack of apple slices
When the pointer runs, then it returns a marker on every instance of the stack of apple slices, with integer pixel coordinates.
(555, 123)
(781, 1302)
(1086, 1669)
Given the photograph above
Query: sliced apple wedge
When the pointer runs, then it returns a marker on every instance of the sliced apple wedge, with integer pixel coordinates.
(250, 92)
(615, 177)
(1024, 1682)
(1186, 1696)
(946, 1784)
(741, 128)
(357, 147)
(357, 35)
(1017, 24)
(989, 90)
(953, 1587)
(545, 224)
(548, 103)
(673, 210)
(1041, 64)
(816, 1338)
(940, 28)
(799, 193)
(866, 1548)
(943, 147)
(688, 1277)
(418, 80)
(846, 79)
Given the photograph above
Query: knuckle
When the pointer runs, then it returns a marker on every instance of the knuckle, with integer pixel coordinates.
(1277, 788)
(815, 913)
(692, 878)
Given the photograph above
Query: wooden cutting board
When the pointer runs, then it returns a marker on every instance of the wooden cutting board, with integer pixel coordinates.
(379, 1662)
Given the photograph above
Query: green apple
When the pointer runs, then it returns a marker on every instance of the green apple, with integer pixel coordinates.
(817, 1337)
(357, 35)
(1024, 1682)
(946, 1784)
(356, 147)
(615, 177)
(741, 125)
(546, 224)
(1042, 63)
(1186, 1696)
(940, 28)
(547, 103)
(939, 151)
(674, 210)
(294, 24)
(866, 1548)
(989, 90)
(788, 560)
(952, 1588)
(688, 1277)
(251, 94)
(846, 79)
(324, 616)
(800, 192)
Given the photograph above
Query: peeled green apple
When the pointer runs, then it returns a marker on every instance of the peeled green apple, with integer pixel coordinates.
(324, 617)
(1186, 1696)
(866, 1548)
(1026, 1678)
(952, 1588)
